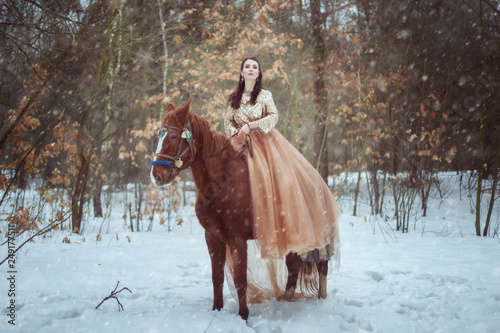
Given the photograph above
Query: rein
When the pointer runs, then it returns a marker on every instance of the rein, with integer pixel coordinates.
(177, 161)
(248, 141)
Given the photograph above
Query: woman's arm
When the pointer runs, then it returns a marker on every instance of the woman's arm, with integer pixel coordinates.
(270, 114)
(229, 123)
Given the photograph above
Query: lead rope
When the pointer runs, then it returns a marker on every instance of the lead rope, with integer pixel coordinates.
(248, 142)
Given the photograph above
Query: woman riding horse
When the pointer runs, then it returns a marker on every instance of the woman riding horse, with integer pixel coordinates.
(272, 195)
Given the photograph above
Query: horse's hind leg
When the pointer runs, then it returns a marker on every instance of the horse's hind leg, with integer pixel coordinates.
(293, 264)
(323, 272)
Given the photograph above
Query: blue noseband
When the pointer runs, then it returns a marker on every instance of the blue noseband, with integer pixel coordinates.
(165, 163)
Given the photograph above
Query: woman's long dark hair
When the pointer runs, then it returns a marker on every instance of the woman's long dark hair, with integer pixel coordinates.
(235, 97)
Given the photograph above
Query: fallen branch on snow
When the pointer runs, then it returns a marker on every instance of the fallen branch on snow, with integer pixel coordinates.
(113, 295)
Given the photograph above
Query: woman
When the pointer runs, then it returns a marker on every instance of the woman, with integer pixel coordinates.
(294, 210)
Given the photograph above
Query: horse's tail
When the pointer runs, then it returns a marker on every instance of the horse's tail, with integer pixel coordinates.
(308, 280)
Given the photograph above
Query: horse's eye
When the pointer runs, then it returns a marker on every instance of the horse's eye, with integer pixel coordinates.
(173, 137)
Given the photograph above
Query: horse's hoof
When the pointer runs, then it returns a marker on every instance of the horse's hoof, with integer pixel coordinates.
(288, 296)
(244, 314)
(217, 307)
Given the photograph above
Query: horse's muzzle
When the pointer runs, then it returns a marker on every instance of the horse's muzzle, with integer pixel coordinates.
(158, 176)
(161, 176)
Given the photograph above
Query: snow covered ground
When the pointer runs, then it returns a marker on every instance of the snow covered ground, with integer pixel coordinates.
(437, 278)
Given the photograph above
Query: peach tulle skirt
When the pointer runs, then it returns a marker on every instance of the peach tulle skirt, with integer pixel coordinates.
(294, 211)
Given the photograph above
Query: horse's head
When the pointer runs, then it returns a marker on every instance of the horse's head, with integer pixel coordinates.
(175, 150)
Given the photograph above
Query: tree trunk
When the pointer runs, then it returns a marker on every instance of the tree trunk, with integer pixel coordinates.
(108, 70)
(97, 197)
(396, 203)
(480, 164)
(165, 51)
(493, 191)
(77, 200)
(356, 194)
(381, 204)
(320, 151)
(376, 189)
(114, 44)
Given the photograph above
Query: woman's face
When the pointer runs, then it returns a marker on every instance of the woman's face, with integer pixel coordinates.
(250, 70)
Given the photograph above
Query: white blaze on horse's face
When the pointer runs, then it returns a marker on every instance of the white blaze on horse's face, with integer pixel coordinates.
(160, 143)
(153, 180)
(158, 150)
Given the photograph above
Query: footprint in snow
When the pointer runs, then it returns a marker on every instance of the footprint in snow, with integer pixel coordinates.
(375, 276)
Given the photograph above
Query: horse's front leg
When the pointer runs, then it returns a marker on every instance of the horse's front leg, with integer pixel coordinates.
(238, 250)
(217, 251)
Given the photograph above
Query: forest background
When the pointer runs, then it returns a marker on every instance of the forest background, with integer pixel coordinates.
(394, 91)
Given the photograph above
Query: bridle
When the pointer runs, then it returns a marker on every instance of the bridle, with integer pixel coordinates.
(177, 159)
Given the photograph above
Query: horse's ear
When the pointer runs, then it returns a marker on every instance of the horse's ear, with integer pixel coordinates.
(170, 107)
(182, 112)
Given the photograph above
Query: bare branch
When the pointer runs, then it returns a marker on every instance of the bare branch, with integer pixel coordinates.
(39, 233)
(492, 7)
(113, 295)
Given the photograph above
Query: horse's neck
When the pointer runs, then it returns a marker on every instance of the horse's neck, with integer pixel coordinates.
(210, 144)
(211, 140)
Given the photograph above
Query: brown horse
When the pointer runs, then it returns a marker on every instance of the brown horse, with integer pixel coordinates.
(224, 204)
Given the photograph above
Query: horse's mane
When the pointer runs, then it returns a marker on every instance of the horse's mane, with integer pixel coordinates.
(206, 132)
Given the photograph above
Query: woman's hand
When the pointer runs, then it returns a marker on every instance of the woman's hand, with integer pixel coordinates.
(244, 130)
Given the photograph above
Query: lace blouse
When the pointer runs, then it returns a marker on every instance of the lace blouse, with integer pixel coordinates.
(263, 113)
